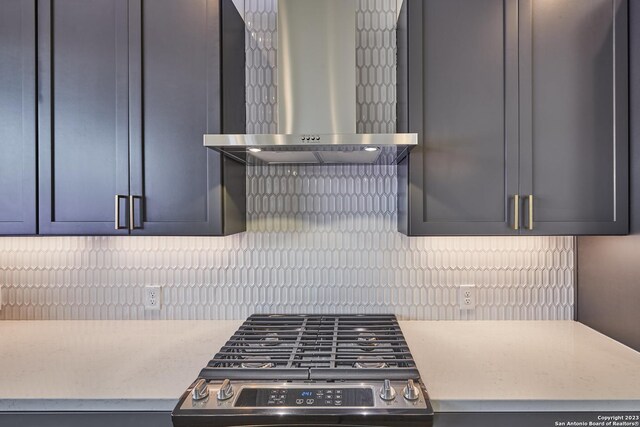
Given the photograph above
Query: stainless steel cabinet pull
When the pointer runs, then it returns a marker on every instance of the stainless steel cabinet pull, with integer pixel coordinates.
(516, 212)
(117, 215)
(530, 227)
(132, 212)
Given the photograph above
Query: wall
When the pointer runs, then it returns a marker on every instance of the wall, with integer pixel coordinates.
(608, 267)
(319, 239)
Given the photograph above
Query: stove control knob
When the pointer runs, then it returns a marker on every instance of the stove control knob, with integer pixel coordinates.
(200, 390)
(387, 392)
(411, 392)
(226, 390)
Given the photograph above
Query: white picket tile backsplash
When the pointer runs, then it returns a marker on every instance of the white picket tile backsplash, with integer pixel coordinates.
(305, 267)
(319, 240)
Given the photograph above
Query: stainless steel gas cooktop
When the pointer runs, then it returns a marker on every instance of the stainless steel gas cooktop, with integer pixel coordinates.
(309, 370)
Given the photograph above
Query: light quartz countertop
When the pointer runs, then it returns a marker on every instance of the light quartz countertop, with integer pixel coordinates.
(467, 366)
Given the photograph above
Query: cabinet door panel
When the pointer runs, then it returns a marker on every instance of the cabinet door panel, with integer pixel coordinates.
(17, 117)
(176, 100)
(462, 70)
(83, 114)
(573, 115)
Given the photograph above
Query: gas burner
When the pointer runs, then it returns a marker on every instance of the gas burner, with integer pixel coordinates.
(367, 341)
(270, 340)
(366, 363)
(256, 362)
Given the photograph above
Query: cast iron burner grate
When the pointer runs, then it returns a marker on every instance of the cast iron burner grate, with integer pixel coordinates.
(314, 347)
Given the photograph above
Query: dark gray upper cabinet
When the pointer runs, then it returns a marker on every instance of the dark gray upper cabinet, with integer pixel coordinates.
(83, 115)
(514, 98)
(128, 88)
(176, 80)
(574, 116)
(17, 117)
(462, 101)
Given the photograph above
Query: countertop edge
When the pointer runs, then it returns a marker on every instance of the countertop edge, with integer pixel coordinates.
(87, 405)
(462, 406)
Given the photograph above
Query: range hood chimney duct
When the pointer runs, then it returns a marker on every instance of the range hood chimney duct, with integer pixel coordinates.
(317, 66)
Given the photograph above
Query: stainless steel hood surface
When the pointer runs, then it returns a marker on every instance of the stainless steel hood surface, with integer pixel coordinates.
(316, 95)
(258, 149)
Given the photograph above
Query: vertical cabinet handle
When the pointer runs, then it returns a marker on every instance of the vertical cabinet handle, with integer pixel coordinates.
(132, 212)
(530, 198)
(117, 213)
(516, 212)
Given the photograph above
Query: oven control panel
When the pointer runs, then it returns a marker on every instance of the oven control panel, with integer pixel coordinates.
(287, 397)
(304, 397)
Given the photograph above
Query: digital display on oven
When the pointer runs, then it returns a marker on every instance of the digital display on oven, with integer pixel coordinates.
(299, 397)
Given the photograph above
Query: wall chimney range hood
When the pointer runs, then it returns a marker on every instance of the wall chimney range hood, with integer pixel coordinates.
(316, 95)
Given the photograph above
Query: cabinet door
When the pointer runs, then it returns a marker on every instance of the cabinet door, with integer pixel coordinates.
(176, 72)
(83, 115)
(462, 101)
(17, 117)
(574, 116)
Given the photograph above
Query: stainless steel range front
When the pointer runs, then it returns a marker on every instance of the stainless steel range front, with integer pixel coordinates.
(309, 370)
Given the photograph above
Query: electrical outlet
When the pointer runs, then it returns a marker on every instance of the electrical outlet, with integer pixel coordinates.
(152, 297)
(467, 297)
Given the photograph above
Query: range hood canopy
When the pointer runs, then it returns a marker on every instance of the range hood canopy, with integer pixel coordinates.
(316, 95)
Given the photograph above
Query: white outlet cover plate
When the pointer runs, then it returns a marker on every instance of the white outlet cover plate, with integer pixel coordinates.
(152, 297)
(467, 297)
